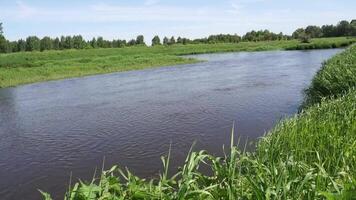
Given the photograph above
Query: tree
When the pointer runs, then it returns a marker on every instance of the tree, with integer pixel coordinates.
(68, 42)
(46, 43)
(121, 43)
(62, 43)
(298, 33)
(33, 43)
(1, 30)
(353, 27)
(304, 38)
(100, 42)
(156, 41)
(21, 45)
(93, 43)
(165, 41)
(314, 31)
(131, 42)
(78, 42)
(56, 44)
(328, 30)
(3, 44)
(12, 46)
(140, 40)
(224, 38)
(185, 41)
(172, 41)
(343, 28)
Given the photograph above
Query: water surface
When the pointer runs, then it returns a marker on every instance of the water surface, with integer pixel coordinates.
(48, 130)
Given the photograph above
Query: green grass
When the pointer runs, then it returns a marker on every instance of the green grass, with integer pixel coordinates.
(309, 156)
(335, 78)
(29, 67)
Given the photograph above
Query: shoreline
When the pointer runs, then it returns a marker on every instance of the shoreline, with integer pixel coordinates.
(32, 67)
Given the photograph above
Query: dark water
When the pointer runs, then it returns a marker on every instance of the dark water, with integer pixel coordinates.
(48, 130)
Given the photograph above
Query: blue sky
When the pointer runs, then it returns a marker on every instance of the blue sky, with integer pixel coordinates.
(195, 18)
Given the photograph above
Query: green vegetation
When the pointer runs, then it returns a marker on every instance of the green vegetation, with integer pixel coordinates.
(28, 67)
(335, 78)
(343, 28)
(33, 43)
(309, 156)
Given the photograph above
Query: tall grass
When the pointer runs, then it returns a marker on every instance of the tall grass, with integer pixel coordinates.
(28, 67)
(309, 156)
(337, 76)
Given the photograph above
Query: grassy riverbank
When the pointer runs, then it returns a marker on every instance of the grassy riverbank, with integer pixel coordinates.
(309, 156)
(29, 67)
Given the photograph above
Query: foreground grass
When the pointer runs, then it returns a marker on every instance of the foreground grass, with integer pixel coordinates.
(30, 67)
(309, 156)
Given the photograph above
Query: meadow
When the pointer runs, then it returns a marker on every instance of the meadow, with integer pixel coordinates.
(29, 67)
(309, 156)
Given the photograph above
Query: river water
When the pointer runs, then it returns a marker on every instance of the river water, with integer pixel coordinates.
(49, 130)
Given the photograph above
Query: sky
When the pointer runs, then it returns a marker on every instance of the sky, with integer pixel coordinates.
(125, 19)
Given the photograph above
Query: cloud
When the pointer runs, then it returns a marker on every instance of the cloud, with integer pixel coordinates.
(151, 2)
(153, 17)
(25, 10)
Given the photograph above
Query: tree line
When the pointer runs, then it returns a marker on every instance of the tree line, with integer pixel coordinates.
(343, 28)
(33, 43)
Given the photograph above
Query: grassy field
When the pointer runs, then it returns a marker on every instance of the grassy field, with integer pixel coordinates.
(30, 67)
(309, 156)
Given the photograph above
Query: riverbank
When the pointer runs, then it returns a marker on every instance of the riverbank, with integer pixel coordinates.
(309, 156)
(29, 67)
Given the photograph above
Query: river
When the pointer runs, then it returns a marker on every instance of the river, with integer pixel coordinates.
(49, 130)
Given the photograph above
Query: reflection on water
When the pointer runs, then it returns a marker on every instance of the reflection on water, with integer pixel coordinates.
(48, 130)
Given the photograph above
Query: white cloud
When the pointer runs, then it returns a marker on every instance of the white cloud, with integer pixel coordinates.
(25, 10)
(151, 17)
(151, 2)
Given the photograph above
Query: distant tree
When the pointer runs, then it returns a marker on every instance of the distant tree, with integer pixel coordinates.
(121, 43)
(140, 40)
(33, 43)
(3, 41)
(172, 40)
(343, 28)
(353, 27)
(21, 45)
(62, 43)
(314, 31)
(46, 44)
(12, 46)
(78, 42)
(3, 44)
(328, 30)
(224, 38)
(304, 38)
(68, 42)
(298, 33)
(1, 29)
(93, 43)
(100, 42)
(165, 41)
(179, 40)
(131, 42)
(56, 44)
(185, 41)
(156, 40)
